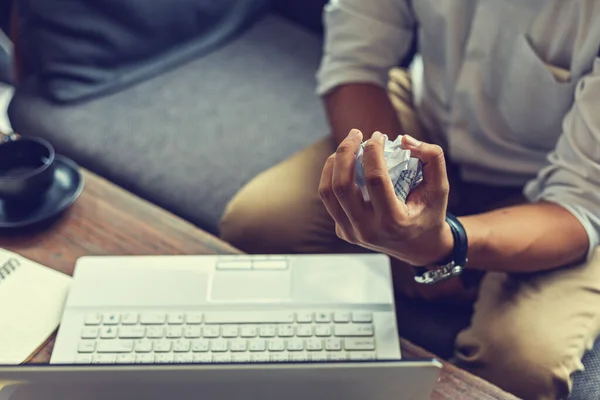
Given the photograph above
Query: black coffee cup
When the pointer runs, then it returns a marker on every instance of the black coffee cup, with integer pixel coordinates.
(27, 167)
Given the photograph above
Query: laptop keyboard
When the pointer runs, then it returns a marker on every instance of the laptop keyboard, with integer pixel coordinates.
(226, 337)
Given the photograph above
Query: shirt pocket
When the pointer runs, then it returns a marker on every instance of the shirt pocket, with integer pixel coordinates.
(534, 97)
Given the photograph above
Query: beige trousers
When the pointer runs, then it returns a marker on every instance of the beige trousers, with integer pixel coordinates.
(528, 332)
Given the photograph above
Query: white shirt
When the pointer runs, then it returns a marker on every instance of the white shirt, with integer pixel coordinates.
(511, 87)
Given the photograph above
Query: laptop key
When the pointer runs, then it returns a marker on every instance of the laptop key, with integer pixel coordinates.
(304, 331)
(200, 346)
(305, 317)
(267, 331)
(257, 345)
(296, 345)
(203, 358)
(192, 332)
(125, 358)
(184, 358)
(162, 346)
(109, 332)
(285, 331)
(359, 344)
(115, 346)
(238, 346)
(164, 358)
(314, 345)
(194, 318)
(93, 319)
(318, 356)
(240, 358)
(218, 346)
(181, 346)
(211, 332)
(90, 332)
(280, 357)
(337, 357)
(111, 318)
(260, 357)
(298, 357)
(130, 318)
(229, 331)
(362, 317)
(360, 356)
(333, 345)
(83, 359)
(175, 318)
(222, 358)
(144, 359)
(323, 317)
(104, 359)
(174, 332)
(349, 330)
(86, 346)
(132, 332)
(342, 316)
(276, 345)
(143, 346)
(156, 332)
(152, 318)
(323, 331)
(249, 331)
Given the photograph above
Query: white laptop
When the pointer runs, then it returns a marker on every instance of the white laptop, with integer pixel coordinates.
(364, 380)
(211, 309)
(297, 327)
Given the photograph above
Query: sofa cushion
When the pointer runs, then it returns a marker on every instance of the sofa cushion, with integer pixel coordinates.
(188, 139)
(308, 13)
(85, 48)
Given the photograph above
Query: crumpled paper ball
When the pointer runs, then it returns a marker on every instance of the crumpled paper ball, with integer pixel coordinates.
(405, 171)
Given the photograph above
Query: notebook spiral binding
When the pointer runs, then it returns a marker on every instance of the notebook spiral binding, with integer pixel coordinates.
(8, 268)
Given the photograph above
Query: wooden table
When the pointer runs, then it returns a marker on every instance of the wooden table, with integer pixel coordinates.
(107, 220)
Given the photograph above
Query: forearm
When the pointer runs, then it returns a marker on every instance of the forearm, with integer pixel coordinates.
(363, 106)
(526, 238)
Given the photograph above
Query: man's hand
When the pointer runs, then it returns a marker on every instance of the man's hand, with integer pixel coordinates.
(415, 232)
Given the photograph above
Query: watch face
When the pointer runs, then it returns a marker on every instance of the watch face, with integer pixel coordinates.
(438, 275)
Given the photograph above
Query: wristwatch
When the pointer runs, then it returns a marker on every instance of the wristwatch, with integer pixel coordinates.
(454, 264)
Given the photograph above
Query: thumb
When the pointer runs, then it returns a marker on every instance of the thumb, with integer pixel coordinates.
(435, 176)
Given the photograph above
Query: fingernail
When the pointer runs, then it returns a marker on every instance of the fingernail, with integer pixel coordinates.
(378, 137)
(354, 133)
(411, 141)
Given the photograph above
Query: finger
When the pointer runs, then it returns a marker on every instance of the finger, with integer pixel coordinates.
(435, 176)
(344, 187)
(380, 187)
(331, 202)
(342, 234)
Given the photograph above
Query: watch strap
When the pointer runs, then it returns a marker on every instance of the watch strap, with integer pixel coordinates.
(454, 263)
(461, 242)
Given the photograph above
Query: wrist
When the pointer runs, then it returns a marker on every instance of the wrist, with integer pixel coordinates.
(444, 247)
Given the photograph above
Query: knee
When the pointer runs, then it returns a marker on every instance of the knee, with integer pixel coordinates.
(283, 222)
(526, 362)
(251, 227)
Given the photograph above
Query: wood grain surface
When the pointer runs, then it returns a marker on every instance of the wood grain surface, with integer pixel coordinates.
(107, 220)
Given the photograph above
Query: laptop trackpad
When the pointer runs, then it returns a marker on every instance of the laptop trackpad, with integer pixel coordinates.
(251, 285)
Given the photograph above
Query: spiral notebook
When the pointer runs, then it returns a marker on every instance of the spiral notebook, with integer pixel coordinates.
(32, 299)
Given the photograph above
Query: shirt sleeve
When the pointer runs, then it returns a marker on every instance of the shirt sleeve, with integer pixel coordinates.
(363, 40)
(572, 177)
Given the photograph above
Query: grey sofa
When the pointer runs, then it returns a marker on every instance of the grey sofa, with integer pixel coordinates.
(188, 138)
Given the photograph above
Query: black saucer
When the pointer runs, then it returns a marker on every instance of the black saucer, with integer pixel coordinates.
(65, 190)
